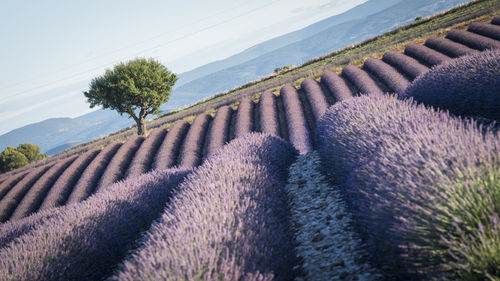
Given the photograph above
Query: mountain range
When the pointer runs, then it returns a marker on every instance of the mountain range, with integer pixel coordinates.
(364, 21)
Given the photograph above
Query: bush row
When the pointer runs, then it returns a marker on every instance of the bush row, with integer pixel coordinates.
(422, 186)
(120, 162)
(167, 154)
(32, 200)
(85, 241)
(62, 188)
(143, 158)
(298, 131)
(361, 80)
(89, 179)
(228, 220)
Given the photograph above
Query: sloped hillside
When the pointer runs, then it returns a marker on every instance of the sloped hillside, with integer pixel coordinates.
(290, 114)
(384, 169)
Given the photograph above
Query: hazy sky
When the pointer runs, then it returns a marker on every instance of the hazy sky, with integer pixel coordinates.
(51, 49)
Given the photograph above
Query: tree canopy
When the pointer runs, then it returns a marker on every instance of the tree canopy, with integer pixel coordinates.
(138, 88)
(12, 158)
(31, 151)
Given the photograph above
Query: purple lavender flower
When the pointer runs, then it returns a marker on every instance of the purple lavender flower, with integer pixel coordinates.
(35, 195)
(59, 192)
(192, 148)
(268, 113)
(405, 64)
(141, 163)
(167, 154)
(118, 165)
(315, 97)
(448, 47)
(485, 29)
(228, 220)
(359, 78)
(218, 133)
(421, 186)
(336, 86)
(387, 74)
(473, 40)
(244, 118)
(88, 181)
(85, 241)
(425, 55)
(466, 86)
(10, 201)
(298, 131)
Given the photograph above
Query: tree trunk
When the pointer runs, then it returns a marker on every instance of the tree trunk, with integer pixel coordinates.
(141, 126)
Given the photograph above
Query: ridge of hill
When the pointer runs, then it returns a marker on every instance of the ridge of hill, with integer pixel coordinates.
(360, 11)
(335, 36)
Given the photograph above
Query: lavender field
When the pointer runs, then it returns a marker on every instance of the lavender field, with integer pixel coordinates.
(388, 170)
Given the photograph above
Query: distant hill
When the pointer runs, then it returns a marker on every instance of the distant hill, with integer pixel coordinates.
(58, 134)
(357, 12)
(318, 39)
(369, 19)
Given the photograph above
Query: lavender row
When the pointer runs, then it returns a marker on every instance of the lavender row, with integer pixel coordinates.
(192, 148)
(298, 131)
(405, 64)
(326, 242)
(88, 181)
(422, 186)
(473, 40)
(336, 86)
(425, 55)
(359, 78)
(228, 221)
(466, 86)
(10, 201)
(218, 133)
(448, 47)
(143, 158)
(315, 97)
(62, 188)
(36, 193)
(396, 82)
(268, 111)
(489, 30)
(13, 229)
(86, 241)
(120, 162)
(167, 154)
(496, 20)
(9, 183)
(244, 118)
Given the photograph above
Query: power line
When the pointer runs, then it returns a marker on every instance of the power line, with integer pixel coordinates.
(125, 47)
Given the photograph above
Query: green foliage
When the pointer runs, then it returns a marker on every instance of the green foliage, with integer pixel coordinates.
(138, 88)
(31, 151)
(283, 69)
(11, 159)
(474, 251)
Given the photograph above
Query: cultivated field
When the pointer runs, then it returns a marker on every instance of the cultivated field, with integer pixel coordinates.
(404, 142)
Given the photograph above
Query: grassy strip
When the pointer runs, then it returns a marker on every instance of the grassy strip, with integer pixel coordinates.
(326, 242)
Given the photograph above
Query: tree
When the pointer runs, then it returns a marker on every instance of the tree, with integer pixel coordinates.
(31, 151)
(11, 159)
(137, 88)
(282, 69)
